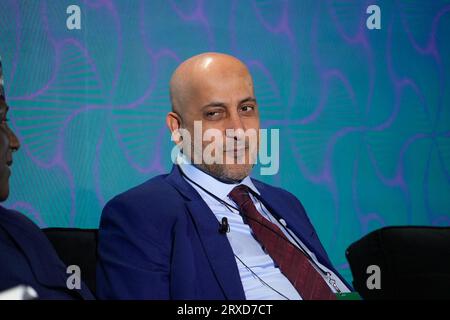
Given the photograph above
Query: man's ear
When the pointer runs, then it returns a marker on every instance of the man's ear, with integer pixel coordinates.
(173, 121)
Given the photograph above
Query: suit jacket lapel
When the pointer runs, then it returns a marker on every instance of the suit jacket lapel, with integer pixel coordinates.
(216, 246)
(300, 226)
(217, 249)
(296, 222)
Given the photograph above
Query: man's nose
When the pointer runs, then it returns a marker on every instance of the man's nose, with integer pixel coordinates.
(235, 127)
(14, 142)
(235, 122)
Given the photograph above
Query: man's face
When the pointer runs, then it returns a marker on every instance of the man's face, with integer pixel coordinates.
(8, 143)
(224, 100)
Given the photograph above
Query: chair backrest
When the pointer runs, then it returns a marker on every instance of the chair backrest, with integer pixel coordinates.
(77, 247)
(413, 262)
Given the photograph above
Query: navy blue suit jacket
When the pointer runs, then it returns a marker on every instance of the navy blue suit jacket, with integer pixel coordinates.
(28, 258)
(160, 240)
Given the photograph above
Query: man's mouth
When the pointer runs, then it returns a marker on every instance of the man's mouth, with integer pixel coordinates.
(237, 149)
(9, 163)
(8, 169)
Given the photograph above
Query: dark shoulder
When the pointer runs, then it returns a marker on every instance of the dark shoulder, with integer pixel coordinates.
(283, 195)
(280, 192)
(153, 192)
(14, 220)
(155, 201)
(155, 187)
(17, 219)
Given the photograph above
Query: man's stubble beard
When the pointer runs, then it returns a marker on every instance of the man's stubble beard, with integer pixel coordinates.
(228, 173)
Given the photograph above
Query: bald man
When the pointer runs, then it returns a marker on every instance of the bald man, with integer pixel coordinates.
(207, 230)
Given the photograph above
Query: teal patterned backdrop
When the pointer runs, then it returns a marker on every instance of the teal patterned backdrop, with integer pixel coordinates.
(364, 115)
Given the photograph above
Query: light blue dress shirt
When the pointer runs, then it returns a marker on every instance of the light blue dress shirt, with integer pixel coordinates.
(261, 279)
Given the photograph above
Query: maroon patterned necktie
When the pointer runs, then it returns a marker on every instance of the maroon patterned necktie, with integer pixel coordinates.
(292, 262)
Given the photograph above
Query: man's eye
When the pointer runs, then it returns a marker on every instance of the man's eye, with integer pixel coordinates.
(212, 114)
(246, 108)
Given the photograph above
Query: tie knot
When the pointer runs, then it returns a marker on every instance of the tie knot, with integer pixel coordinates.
(240, 195)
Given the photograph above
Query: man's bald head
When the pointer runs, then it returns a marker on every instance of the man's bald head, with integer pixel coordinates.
(192, 75)
(216, 91)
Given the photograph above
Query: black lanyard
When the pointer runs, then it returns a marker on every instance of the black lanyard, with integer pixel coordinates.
(226, 204)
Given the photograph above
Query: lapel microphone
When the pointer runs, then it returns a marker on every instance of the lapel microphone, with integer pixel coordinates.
(224, 226)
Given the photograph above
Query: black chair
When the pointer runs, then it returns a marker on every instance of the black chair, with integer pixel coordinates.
(77, 247)
(414, 263)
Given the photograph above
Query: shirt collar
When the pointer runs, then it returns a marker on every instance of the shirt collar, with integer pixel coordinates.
(218, 188)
